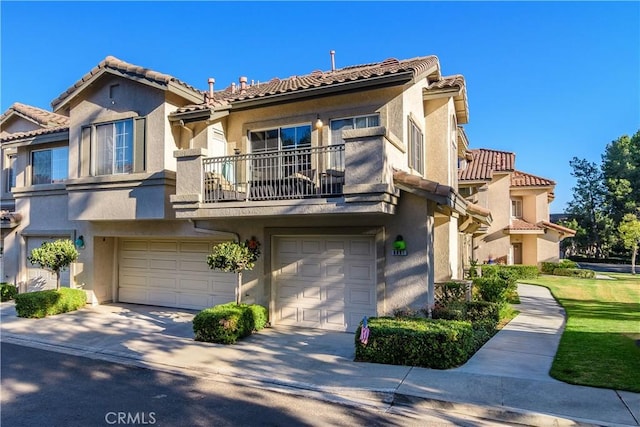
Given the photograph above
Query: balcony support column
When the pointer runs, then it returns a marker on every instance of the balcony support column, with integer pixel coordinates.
(189, 175)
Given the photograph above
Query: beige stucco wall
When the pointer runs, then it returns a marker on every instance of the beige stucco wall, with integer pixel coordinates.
(495, 243)
(18, 124)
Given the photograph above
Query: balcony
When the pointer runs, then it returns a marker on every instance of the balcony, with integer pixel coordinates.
(353, 178)
(279, 175)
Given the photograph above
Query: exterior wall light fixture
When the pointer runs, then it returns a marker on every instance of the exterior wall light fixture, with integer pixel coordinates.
(80, 242)
(319, 123)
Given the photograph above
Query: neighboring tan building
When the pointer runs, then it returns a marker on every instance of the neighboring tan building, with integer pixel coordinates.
(521, 232)
(146, 173)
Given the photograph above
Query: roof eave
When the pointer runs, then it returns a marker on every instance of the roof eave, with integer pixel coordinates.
(62, 135)
(210, 115)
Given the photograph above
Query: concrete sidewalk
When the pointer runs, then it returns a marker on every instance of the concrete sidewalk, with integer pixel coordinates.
(506, 380)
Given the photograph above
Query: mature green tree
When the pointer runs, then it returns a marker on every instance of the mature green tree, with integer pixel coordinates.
(629, 230)
(621, 174)
(589, 208)
(54, 256)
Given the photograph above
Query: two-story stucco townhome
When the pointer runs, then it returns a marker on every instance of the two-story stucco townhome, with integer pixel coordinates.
(521, 232)
(326, 170)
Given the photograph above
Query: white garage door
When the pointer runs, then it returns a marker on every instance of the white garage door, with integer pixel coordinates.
(326, 282)
(171, 273)
(39, 279)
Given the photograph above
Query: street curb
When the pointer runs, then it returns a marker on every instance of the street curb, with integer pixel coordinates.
(387, 400)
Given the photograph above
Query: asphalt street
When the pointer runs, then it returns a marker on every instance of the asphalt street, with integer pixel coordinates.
(46, 388)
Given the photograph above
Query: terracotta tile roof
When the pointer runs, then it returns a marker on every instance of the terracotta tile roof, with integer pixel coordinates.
(113, 63)
(485, 162)
(477, 209)
(521, 225)
(8, 137)
(448, 82)
(317, 79)
(414, 181)
(41, 117)
(557, 227)
(523, 179)
(9, 219)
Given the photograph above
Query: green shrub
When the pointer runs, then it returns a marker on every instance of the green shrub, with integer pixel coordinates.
(454, 310)
(483, 330)
(574, 272)
(439, 344)
(7, 292)
(481, 311)
(227, 323)
(510, 272)
(45, 303)
(492, 289)
(452, 291)
(549, 267)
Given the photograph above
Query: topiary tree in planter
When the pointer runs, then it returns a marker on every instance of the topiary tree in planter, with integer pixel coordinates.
(54, 256)
(235, 257)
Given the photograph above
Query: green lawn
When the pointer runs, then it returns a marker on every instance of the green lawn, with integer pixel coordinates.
(599, 346)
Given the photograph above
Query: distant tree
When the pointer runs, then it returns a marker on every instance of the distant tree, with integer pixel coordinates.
(629, 230)
(589, 208)
(621, 173)
(54, 256)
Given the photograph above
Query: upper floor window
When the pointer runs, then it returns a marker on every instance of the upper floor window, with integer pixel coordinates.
(358, 122)
(116, 147)
(11, 172)
(416, 148)
(49, 166)
(516, 208)
(280, 139)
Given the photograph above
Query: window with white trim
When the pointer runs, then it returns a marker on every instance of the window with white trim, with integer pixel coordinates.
(282, 141)
(115, 148)
(356, 122)
(416, 147)
(516, 208)
(11, 172)
(49, 166)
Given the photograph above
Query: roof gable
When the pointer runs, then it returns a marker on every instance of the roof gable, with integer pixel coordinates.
(121, 68)
(38, 116)
(485, 162)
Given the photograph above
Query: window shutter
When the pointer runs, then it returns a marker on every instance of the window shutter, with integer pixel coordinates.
(85, 151)
(139, 144)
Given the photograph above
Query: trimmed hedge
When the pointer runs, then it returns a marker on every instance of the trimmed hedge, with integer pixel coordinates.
(46, 303)
(510, 272)
(7, 292)
(575, 272)
(493, 289)
(227, 323)
(438, 344)
(473, 311)
(549, 267)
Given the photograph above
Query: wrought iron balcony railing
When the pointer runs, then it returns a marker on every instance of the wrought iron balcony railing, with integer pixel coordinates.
(275, 175)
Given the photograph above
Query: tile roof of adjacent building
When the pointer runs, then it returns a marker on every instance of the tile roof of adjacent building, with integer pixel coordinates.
(38, 115)
(319, 79)
(557, 227)
(7, 137)
(113, 63)
(485, 162)
(522, 225)
(523, 179)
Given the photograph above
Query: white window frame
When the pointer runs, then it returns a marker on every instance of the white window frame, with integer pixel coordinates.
(11, 171)
(117, 166)
(416, 146)
(335, 137)
(516, 208)
(52, 179)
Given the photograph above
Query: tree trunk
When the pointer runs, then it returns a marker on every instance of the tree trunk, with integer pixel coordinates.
(57, 280)
(633, 260)
(239, 288)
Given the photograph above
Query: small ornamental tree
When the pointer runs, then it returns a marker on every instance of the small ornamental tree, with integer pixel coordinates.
(629, 230)
(54, 256)
(235, 257)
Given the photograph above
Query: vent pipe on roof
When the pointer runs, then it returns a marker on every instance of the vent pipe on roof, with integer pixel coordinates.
(233, 87)
(211, 83)
(333, 60)
(243, 84)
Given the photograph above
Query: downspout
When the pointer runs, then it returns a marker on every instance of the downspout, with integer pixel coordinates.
(214, 232)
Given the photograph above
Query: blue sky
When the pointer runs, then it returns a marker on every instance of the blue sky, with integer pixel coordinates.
(546, 80)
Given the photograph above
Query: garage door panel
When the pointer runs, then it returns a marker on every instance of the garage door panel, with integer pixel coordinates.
(320, 285)
(163, 264)
(171, 273)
